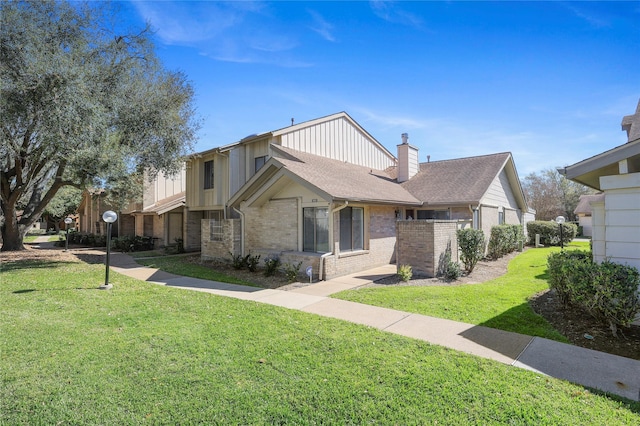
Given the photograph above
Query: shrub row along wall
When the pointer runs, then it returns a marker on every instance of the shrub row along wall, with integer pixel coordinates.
(424, 244)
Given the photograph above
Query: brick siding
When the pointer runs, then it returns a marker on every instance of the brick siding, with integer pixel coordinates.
(423, 244)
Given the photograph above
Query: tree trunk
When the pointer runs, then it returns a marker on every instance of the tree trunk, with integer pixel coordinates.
(12, 234)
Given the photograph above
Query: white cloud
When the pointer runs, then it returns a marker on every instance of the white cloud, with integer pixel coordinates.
(391, 12)
(321, 26)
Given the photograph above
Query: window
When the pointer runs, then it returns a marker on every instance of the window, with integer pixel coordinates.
(215, 225)
(315, 229)
(208, 174)
(433, 214)
(501, 218)
(351, 229)
(259, 162)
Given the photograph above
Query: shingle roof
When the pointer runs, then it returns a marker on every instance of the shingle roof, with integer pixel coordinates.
(583, 206)
(167, 204)
(461, 180)
(344, 181)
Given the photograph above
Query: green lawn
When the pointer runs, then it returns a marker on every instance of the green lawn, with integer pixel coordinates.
(142, 353)
(184, 265)
(501, 303)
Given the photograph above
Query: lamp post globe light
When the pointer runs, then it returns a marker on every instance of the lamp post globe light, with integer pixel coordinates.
(109, 217)
(67, 222)
(560, 220)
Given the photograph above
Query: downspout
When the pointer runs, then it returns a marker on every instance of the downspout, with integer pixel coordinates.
(241, 230)
(321, 267)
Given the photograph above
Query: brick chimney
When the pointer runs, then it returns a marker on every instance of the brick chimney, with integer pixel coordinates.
(407, 160)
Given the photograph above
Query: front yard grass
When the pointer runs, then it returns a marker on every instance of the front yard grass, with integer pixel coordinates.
(184, 265)
(143, 353)
(501, 303)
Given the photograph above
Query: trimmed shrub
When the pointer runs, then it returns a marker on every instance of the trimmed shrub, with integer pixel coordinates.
(504, 239)
(608, 291)
(405, 272)
(471, 243)
(550, 232)
(568, 271)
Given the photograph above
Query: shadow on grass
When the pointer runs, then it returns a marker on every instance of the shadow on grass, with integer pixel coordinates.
(33, 290)
(32, 264)
(519, 320)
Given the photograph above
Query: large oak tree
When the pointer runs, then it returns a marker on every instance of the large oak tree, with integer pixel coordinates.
(82, 104)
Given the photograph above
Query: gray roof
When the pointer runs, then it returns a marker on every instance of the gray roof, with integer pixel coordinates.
(583, 206)
(457, 181)
(344, 181)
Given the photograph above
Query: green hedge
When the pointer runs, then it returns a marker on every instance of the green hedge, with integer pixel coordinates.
(608, 291)
(550, 232)
(505, 239)
(471, 245)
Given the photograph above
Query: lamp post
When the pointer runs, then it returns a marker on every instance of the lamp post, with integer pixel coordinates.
(109, 217)
(67, 222)
(560, 220)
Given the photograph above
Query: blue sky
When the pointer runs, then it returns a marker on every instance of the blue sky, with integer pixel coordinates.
(547, 81)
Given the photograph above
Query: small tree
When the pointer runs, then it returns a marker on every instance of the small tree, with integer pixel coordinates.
(471, 243)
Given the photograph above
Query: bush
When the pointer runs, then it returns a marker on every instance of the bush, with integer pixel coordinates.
(291, 271)
(471, 244)
(252, 262)
(239, 261)
(550, 232)
(271, 265)
(405, 272)
(452, 270)
(608, 291)
(504, 240)
(568, 271)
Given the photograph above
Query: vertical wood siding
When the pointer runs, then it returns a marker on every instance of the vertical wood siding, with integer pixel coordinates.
(340, 140)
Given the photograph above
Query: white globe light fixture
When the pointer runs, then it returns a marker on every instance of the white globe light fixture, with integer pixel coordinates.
(109, 217)
(67, 222)
(560, 220)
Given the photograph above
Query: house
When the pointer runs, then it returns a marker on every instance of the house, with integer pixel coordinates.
(90, 211)
(583, 212)
(327, 193)
(159, 215)
(616, 216)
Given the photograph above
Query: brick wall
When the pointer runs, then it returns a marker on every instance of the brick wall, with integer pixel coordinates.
(231, 240)
(423, 244)
(274, 226)
(380, 247)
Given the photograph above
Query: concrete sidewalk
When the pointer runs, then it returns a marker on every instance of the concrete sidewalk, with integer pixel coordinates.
(586, 367)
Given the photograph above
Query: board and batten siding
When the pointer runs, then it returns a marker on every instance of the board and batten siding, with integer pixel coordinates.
(338, 139)
(500, 193)
(162, 187)
(198, 198)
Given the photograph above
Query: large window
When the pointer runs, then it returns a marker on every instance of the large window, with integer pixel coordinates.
(315, 229)
(208, 174)
(351, 229)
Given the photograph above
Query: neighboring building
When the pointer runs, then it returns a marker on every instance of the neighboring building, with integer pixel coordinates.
(161, 215)
(583, 212)
(327, 193)
(616, 218)
(90, 210)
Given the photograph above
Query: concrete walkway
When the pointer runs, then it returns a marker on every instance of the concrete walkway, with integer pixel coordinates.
(586, 367)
